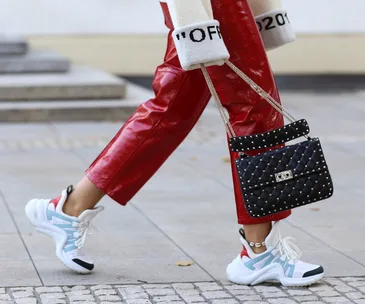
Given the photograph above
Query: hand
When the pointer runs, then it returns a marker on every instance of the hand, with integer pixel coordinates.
(196, 34)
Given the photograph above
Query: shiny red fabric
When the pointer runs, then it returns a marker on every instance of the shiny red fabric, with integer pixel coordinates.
(160, 124)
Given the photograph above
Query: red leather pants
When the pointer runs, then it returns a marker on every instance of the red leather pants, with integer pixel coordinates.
(160, 124)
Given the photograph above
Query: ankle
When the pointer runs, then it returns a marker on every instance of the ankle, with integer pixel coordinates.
(73, 207)
(259, 250)
(255, 235)
(257, 247)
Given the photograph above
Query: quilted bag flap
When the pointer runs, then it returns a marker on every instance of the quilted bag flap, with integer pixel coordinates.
(269, 139)
(282, 164)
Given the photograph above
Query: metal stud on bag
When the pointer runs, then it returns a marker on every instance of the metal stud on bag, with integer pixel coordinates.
(281, 177)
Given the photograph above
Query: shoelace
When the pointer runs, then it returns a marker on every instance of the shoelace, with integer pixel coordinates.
(288, 249)
(83, 229)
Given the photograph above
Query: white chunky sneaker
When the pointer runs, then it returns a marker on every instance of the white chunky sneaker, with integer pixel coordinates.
(280, 262)
(68, 232)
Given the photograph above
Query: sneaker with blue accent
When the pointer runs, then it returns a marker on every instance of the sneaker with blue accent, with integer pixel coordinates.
(68, 232)
(280, 262)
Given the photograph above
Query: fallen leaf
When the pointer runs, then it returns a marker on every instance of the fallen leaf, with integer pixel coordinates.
(226, 159)
(193, 158)
(184, 263)
(315, 209)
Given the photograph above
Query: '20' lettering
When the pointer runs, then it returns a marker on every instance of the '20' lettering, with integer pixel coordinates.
(270, 22)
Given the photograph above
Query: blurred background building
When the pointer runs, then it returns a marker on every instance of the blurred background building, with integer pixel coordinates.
(55, 55)
(127, 37)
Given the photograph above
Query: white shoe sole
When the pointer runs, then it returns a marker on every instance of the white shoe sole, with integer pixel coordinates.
(35, 211)
(237, 273)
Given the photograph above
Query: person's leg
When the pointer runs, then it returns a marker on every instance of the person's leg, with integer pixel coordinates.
(250, 114)
(136, 152)
(84, 196)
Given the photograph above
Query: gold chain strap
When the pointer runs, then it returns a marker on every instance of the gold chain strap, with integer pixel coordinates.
(276, 105)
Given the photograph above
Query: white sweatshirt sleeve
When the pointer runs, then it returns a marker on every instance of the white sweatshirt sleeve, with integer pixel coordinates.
(196, 34)
(273, 22)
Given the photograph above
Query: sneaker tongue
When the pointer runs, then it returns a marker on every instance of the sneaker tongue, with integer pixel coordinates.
(272, 240)
(89, 214)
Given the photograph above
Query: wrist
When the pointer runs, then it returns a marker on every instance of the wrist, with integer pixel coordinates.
(200, 43)
(275, 28)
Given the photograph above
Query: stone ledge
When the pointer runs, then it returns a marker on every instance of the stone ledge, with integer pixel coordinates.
(34, 62)
(80, 83)
(13, 45)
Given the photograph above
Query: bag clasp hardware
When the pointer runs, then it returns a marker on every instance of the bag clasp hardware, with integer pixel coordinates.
(283, 176)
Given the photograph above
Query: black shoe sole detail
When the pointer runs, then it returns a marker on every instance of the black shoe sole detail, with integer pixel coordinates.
(314, 272)
(84, 264)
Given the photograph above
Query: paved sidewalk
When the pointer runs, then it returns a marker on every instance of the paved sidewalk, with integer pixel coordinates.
(185, 213)
(345, 290)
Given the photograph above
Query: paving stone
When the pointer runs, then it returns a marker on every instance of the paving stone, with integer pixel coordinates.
(105, 292)
(22, 294)
(174, 302)
(160, 292)
(256, 302)
(237, 287)
(133, 292)
(208, 286)
(2, 290)
(74, 288)
(26, 301)
(320, 288)
(266, 289)
(249, 298)
(328, 293)
(53, 301)
(48, 289)
(56, 295)
(109, 298)
(78, 292)
(157, 286)
(336, 300)
(299, 292)
(281, 301)
(355, 295)
(81, 297)
(339, 285)
(301, 299)
(278, 294)
(26, 289)
(231, 301)
(352, 279)
(215, 295)
(242, 292)
(166, 298)
(5, 297)
(138, 301)
(188, 293)
(97, 287)
(193, 299)
(357, 283)
(183, 286)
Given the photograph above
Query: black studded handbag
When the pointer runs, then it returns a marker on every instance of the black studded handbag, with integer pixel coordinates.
(284, 176)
